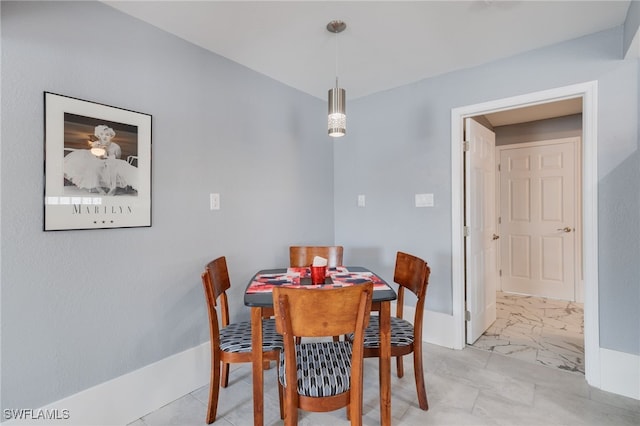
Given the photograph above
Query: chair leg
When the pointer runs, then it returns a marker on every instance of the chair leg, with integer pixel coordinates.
(419, 373)
(354, 408)
(281, 397)
(354, 414)
(224, 379)
(214, 388)
(399, 366)
(290, 412)
(290, 406)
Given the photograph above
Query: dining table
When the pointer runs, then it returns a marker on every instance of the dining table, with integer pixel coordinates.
(258, 296)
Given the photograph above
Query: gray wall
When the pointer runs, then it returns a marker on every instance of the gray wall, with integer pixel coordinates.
(399, 145)
(83, 307)
(68, 324)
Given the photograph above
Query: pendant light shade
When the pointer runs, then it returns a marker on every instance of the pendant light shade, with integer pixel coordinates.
(337, 118)
(337, 121)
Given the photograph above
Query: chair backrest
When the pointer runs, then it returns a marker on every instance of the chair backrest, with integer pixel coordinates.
(300, 256)
(411, 273)
(214, 325)
(304, 312)
(217, 280)
(219, 275)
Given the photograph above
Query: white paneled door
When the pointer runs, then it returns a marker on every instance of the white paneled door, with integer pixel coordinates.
(538, 218)
(480, 223)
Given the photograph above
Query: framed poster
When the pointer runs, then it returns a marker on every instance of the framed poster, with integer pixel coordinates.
(97, 165)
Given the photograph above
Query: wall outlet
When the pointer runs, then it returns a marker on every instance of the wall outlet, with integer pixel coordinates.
(424, 200)
(361, 200)
(214, 201)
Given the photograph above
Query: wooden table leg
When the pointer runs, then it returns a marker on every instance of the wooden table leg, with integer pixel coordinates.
(258, 378)
(385, 363)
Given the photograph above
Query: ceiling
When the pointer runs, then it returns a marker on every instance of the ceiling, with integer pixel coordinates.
(386, 43)
(535, 112)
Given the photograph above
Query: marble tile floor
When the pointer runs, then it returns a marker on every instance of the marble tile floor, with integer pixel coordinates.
(464, 387)
(539, 330)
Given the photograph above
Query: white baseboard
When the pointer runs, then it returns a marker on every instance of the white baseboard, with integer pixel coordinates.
(620, 373)
(125, 399)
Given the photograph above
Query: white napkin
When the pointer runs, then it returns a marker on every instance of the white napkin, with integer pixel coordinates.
(319, 261)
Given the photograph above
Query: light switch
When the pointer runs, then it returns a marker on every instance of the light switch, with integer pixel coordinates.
(424, 200)
(361, 200)
(214, 201)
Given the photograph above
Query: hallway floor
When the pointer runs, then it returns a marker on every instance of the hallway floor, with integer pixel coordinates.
(534, 329)
(465, 388)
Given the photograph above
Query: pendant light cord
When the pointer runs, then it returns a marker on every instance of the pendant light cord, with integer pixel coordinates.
(335, 38)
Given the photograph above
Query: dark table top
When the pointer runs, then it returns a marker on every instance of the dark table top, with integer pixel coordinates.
(266, 299)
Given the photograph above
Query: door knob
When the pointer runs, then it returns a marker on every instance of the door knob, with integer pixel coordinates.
(495, 237)
(565, 229)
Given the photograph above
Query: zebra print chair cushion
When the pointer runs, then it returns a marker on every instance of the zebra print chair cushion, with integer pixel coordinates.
(324, 368)
(236, 337)
(401, 332)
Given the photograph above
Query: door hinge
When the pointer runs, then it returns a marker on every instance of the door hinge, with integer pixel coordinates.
(465, 146)
(500, 272)
(499, 220)
(498, 166)
(465, 231)
(467, 316)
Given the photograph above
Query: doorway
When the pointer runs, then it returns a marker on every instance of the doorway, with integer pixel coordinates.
(587, 92)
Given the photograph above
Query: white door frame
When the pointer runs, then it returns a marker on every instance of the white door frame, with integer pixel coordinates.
(588, 92)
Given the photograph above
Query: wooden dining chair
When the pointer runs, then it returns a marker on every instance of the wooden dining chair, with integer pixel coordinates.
(300, 256)
(230, 342)
(322, 375)
(411, 273)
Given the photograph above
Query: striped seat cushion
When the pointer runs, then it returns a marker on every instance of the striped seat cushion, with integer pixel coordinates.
(324, 368)
(401, 332)
(236, 337)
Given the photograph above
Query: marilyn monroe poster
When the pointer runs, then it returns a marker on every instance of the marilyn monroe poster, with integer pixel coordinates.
(97, 165)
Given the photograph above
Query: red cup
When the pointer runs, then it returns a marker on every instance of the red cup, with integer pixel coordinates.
(318, 274)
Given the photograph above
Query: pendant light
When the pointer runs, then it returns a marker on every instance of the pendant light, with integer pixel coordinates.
(337, 118)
